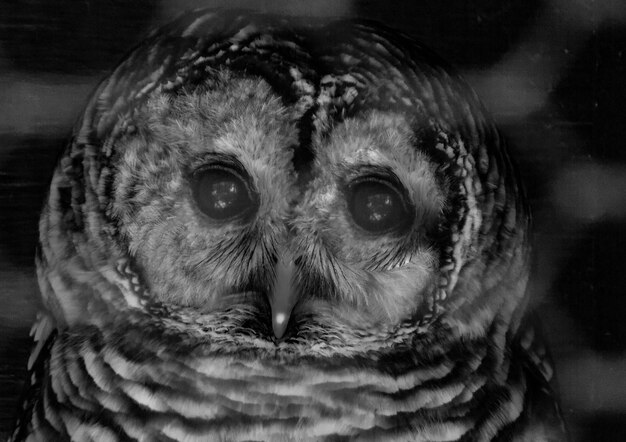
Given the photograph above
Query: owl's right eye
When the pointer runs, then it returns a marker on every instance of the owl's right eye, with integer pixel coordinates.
(378, 206)
(224, 194)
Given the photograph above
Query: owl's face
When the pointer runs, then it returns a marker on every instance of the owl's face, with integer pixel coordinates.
(215, 212)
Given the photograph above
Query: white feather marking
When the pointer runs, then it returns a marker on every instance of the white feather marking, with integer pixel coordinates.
(154, 77)
(242, 35)
(95, 369)
(124, 285)
(119, 365)
(506, 413)
(111, 402)
(41, 330)
(84, 431)
(444, 431)
(50, 413)
(143, 396)
(70, 309)
(190, 30)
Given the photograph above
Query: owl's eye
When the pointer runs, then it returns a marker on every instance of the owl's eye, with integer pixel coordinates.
(223, 193)
(378, 206)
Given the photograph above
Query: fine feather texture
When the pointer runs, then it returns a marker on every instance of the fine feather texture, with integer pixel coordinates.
(163, 323)
(239, 119)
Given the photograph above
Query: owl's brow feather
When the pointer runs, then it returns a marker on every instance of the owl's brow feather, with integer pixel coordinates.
(303, 153)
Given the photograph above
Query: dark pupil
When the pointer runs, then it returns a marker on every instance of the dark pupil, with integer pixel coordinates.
(222, 194)
(376, 206)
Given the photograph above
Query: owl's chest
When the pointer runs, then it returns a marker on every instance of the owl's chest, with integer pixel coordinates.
(89, 390)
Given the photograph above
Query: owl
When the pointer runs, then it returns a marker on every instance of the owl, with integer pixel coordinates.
(271, 229)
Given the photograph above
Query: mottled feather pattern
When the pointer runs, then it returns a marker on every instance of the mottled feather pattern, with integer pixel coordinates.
(158, 321)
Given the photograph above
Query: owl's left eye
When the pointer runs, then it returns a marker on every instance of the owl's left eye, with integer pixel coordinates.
(224, 194)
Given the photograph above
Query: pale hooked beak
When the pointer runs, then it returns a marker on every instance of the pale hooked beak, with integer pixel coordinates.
(283, 295)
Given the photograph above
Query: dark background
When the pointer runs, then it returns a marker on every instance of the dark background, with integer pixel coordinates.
(552, 72)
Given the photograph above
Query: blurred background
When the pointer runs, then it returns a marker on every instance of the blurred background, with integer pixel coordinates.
(552, 72)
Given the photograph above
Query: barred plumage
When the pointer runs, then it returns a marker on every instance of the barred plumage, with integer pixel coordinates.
(293, 322)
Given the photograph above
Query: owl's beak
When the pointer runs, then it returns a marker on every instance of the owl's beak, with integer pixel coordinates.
(283, 295)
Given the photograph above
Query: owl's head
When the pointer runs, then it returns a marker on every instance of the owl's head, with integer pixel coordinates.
(306, 184)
